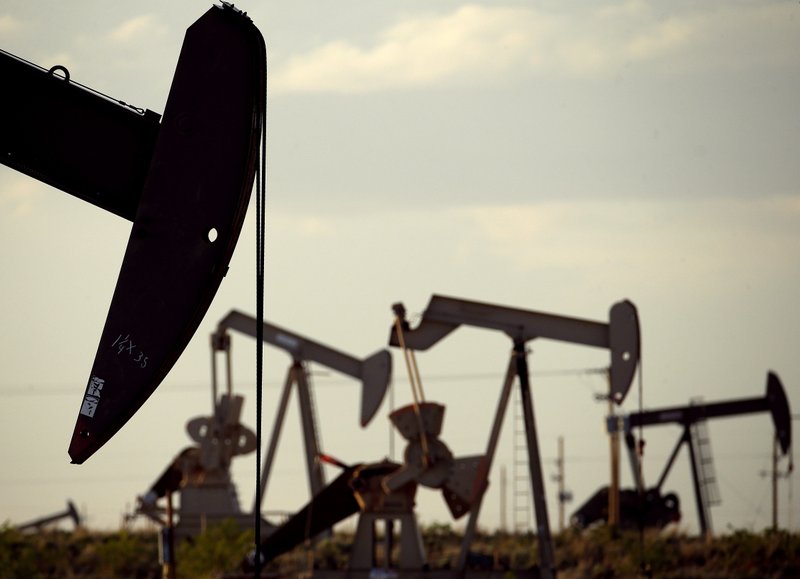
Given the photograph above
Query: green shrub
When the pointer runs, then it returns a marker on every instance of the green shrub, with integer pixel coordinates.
(221, 549)
(17, 555)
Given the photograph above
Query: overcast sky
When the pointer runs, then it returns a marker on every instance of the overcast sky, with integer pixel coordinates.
(550, 156)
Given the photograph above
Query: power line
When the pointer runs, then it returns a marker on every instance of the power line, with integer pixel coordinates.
(328, 380)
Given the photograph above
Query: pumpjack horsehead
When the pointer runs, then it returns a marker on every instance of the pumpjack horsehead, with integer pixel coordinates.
(184, 179)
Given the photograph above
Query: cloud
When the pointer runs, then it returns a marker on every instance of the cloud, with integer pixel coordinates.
(479, 44)
(304, 225)
(9, 25)
(417, 51)
(137, 29)
(692, 238)
(18, 196)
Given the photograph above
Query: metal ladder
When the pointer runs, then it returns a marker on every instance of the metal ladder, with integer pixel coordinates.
(521, 484)
(706, 478)
(705, 464)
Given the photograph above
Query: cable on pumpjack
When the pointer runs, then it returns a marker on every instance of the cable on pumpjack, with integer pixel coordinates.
(413, 378)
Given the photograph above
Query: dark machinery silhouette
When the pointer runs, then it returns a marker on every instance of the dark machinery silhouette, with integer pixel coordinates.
(184, 182)
(384, 492)
(374, 373)
(71, 513)
(200, 474)
(648, 506)
(444, 314)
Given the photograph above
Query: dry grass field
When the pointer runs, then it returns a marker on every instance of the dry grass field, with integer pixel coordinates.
(596, 553)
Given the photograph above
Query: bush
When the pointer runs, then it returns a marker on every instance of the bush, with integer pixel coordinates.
(77, 555)
(221, 549)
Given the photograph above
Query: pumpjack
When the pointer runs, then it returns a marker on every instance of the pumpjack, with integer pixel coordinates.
(71, 512)
(374, 373)
(647, 506)
(383, 493)
(183, 179)
(443, 315)
(200, 474)
(383, 490)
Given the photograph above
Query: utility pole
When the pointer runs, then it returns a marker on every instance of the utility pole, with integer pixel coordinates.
(774, 483)
(503, 526)
(613, 490)
(563, 496)
(168, 543)
(560, 479)
(775, 474)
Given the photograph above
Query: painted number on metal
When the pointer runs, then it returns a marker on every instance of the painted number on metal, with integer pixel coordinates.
(125, 345)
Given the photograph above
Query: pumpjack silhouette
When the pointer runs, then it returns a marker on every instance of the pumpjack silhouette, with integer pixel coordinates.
(384, 491)
(183, 179)
(200, 474)
(650, 507)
